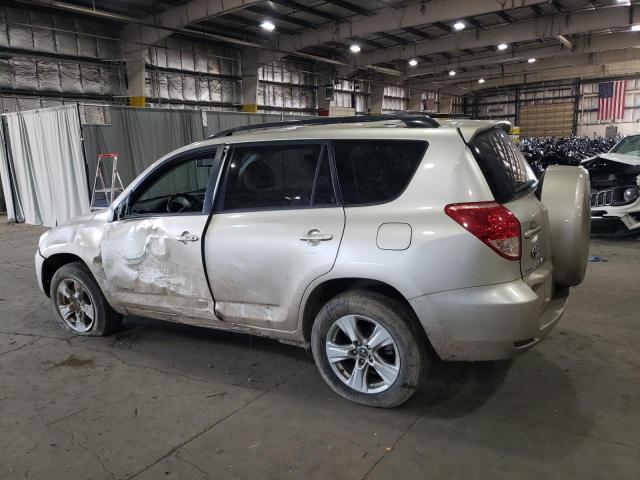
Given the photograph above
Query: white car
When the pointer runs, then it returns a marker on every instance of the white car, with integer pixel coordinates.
(378, 242)
(615, 188)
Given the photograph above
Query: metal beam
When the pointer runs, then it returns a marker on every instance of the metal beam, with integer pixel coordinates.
(280, 16)
(181, 16)
(313, 11)
(350, 6)
(525, 30)
(415, 15)
(581, 44)
(614, 62)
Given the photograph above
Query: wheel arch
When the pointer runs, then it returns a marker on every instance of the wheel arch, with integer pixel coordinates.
(53, 263)
(328, 289)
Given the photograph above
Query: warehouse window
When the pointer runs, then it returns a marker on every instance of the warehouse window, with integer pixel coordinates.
(375, 171)
(277, 176)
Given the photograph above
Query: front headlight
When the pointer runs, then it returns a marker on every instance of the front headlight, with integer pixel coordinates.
(631, 194)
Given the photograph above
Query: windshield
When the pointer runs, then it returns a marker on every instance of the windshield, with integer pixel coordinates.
(628, 146)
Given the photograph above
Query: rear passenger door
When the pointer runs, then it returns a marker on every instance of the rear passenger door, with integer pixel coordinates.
(276, 227)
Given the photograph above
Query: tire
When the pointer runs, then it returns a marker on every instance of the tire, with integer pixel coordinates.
(75, 291)
(410, 359)
(566, 193)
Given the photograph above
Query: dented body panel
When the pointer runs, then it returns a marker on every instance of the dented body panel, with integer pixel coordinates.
(149, 268)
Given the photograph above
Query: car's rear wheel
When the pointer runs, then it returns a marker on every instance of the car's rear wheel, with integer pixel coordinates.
(78, 302)
(368, 349)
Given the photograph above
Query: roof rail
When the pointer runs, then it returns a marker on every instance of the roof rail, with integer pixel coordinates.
(411, 120)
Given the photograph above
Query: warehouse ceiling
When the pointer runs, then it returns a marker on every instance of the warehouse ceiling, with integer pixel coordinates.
(455, 45)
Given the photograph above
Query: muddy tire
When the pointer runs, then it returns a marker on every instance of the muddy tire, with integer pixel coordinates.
(78, 303)
(369, 349)
(566, 193)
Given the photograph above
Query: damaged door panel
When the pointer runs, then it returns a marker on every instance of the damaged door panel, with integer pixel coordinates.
(152, 264)
(276, 227)
(152, 255)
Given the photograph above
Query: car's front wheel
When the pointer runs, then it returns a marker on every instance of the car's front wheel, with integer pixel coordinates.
(78, 302)
(368, 348)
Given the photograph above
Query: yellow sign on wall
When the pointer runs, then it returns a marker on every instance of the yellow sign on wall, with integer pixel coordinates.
(137, 101)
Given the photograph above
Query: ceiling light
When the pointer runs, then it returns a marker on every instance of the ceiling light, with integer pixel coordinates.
(635, 28)
(452, 73)
(355, 48)
(459, 26)
(413, 62)
(481, 80)
(503, 46)
(532, 60)
(268, 26)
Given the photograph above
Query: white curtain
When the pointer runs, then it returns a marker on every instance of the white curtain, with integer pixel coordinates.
(13, 212)
(48, 165)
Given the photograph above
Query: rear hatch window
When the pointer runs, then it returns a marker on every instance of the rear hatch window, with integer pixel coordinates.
(502, 164)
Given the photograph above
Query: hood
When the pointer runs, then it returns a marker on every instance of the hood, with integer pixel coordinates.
(100, 215)
(616, 157)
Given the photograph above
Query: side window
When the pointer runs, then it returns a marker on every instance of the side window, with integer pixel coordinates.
(180, 189)
(375, 171)
(277, 176)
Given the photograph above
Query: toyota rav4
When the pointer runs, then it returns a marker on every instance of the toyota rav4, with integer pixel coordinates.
(378, 242)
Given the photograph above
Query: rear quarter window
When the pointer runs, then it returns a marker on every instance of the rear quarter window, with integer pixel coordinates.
(502, 164)
(375, 171)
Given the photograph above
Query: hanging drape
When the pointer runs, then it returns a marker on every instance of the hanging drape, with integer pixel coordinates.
(14, 212)
(47, 164)
(140, 136)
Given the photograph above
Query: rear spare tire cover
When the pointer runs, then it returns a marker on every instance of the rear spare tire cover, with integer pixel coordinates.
(566, 194)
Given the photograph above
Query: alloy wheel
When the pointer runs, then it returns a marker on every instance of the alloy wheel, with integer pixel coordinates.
(363, 354)
(75, 305)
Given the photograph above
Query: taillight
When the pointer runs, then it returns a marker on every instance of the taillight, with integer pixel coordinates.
(492, 223)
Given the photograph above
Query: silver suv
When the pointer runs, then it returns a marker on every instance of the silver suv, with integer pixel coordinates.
(378, 242)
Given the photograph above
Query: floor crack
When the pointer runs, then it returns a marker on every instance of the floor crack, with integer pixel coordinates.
(209, 427)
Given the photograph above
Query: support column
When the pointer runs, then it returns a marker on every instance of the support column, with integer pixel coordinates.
(135, 77)
(134, 54)
(250, 82)
(376, 97)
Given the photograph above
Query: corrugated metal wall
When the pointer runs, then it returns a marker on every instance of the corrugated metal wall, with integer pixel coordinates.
(49, 58)
(52, 59)
(502, 105)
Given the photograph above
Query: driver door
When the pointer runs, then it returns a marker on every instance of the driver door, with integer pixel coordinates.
(151, 253)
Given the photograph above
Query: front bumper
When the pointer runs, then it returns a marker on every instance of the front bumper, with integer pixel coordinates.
(39, 262)
(613, 222)
(488, 323)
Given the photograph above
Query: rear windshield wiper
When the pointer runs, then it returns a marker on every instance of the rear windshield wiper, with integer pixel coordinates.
(525, 185)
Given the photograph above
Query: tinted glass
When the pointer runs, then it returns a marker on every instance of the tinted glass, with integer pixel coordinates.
(271, 176)
(181, 189)
(375, 171)
(502, 164)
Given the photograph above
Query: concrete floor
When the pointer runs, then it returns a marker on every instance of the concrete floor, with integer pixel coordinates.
(168, 401)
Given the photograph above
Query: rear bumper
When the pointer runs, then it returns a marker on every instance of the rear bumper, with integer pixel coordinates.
(488, 323)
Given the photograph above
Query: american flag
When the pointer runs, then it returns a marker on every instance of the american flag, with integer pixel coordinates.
(611, 100)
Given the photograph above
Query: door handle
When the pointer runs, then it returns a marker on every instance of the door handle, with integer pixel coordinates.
(187, 237)
(532, 232)
(315, 236)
